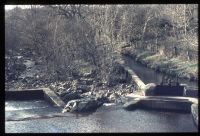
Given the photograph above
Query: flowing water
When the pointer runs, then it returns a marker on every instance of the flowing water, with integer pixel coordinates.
(108, 118)
(148, 75)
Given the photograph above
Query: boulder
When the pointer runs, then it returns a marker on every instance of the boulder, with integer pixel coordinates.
(113, 97)
(86, 81)
(63, 93)
(103, 99)
(67, 84)
(84, 88)
(194, 111)
(82, 105)
(107, 94)
(149, 89)
(29, 63)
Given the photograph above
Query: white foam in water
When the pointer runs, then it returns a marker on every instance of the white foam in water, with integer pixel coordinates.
(109, 104)
(12, 108)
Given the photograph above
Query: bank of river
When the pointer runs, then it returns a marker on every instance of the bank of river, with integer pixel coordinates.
(148, 75)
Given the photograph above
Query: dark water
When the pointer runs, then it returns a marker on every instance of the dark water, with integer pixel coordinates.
(105, 119)
(148, 75)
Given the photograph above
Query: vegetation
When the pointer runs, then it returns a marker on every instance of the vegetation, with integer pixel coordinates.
(74, 39)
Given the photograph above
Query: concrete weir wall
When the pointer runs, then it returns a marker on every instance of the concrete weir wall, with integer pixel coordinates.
(50, 96)
(166, 103)
(31, 94)
(26, 94)
(161, 102)
(137, 81)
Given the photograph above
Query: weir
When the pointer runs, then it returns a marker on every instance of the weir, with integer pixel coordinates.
(165, 104)
(34, 94)
(168, 98)
(136, 80)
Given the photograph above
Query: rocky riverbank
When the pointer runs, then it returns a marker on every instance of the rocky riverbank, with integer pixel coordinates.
(24, 70)
(159, 62)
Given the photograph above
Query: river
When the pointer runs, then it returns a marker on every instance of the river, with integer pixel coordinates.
(106, 119)
(148, 75)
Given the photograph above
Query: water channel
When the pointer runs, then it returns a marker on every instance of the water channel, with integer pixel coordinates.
(148, 75)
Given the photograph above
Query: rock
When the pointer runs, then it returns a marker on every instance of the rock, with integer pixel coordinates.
(131, 88)
(19, 57)
(87, 94)
(11, 76)
(118, 75)
(86, 81)
(113, 97)
(63, 93)
(103, 99)
(149, 89)
(82, 105)
(70, 96)
(79, 91)
(19, 67)
(99, 94)
(29, 63)
(67, 85)
(84, 88)
(108, 94)
(92, 73)
(75, 74)
(195, 115)
(98, 84)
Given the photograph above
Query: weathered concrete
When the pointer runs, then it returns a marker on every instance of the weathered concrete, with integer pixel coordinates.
(26, 94)
(191, 92)
(150, 89)
(164, 102)
(131, 105)
(167, 105)
(166, 90)
(31, 94)
(50, 96)
(134, 76)
(195, 115)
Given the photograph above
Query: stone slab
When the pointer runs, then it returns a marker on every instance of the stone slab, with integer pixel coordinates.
(50, 96)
